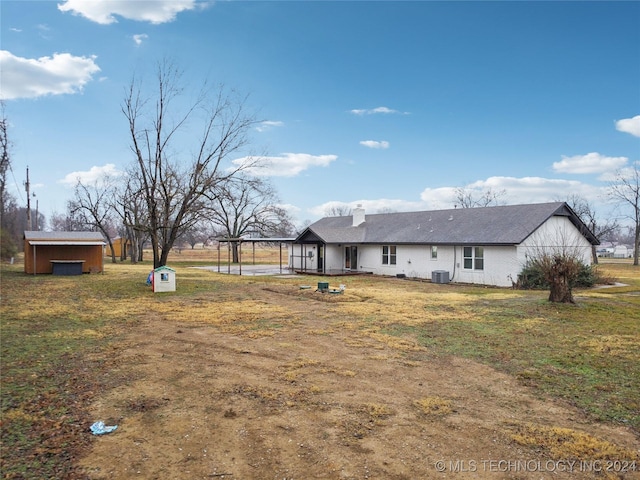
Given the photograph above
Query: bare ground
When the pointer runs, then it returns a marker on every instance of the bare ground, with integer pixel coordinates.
(316, 399)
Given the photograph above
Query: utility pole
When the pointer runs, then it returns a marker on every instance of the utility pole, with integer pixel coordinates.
(37, 205)
(26, 187)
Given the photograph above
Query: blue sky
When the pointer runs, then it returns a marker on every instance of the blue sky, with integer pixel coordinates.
(392, 105)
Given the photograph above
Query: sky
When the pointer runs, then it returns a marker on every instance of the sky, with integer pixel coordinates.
(390, 105)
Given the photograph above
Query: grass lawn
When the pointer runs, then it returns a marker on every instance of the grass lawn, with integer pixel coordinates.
(56, 333)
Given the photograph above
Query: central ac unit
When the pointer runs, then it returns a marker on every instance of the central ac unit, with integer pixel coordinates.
(440, 276)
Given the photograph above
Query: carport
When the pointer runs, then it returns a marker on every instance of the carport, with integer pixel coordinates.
(253, 241)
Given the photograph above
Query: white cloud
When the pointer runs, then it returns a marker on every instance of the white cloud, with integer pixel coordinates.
(139, 38)
(268, 125)
(91, 176)
(152, 11)
(285, 165)
(375, 144)
(628, 172)
(629, 125)
(31, 78)
(517, 190)
(590, 163)
(373, 111)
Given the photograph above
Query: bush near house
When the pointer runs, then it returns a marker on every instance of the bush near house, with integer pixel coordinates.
(533, 277)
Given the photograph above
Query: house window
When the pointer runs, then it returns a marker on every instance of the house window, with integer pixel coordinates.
(434, 252)
(388, 254)
(473, 258)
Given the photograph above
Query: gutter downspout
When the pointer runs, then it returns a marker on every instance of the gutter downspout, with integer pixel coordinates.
(454, 262)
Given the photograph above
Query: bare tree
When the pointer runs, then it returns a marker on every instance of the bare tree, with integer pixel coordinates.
(129, 204)
(468, 198)
(196, 234)
(587, 214)
(173, 186)
(5, 161)
(10, 226)
(93, 203)
(559, 256)
(337, 210)
(625, 190)
(247, 205)
(66, 222)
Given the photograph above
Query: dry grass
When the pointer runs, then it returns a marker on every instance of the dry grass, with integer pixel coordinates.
(434, 406)
(566, 443)
(587, 354)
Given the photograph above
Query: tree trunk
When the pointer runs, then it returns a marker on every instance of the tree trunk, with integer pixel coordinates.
(113, 251)
(560, 287)
(560, 292)
(235, 252)
(636, 247)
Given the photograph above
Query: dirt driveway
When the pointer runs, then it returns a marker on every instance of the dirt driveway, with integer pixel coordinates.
(313, 398)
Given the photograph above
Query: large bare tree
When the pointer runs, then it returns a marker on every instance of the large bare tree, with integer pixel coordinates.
(625, 190)
(247, 205)
(181, 146)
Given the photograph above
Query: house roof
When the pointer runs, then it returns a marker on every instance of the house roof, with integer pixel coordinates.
(63, 238)
(501, 225)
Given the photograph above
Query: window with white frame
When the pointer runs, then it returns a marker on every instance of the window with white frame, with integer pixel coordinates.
(434, 252)
(473, 258)
(388, 254)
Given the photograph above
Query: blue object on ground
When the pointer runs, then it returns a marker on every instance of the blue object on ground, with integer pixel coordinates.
(99, 428)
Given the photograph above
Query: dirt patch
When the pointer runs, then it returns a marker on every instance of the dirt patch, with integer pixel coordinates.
(314, 398)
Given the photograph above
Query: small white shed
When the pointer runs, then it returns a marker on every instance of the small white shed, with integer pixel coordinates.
(164, 279)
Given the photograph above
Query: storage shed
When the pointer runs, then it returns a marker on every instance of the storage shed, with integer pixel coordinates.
(63, 253)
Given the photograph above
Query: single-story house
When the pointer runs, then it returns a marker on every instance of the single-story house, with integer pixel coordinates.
(622, 251)
(52, 252)
(486, 246)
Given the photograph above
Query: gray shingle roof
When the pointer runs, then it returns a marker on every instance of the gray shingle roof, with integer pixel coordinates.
(501, 225)
(64, 236)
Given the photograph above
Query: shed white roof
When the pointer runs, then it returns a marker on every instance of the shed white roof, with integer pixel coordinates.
(63, 238)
